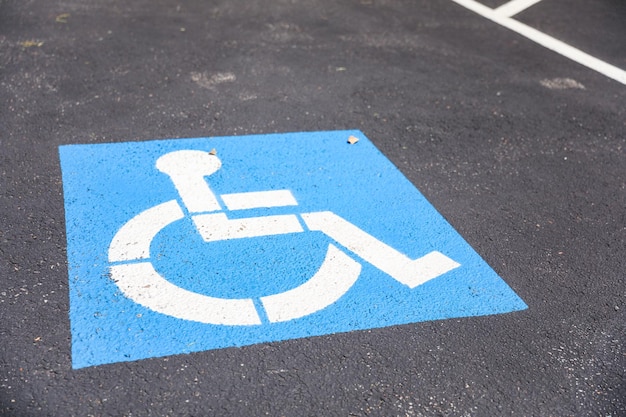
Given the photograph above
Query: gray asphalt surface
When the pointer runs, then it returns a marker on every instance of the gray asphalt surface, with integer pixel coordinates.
(521, 150)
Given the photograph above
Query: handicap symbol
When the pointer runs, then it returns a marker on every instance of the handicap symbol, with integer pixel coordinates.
(134, 274)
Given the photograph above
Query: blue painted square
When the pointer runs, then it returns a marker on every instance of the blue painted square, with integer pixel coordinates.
(151, 264)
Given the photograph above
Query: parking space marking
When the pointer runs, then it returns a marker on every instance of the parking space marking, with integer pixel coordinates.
(514, 7)
(560, 47)
(173, 249)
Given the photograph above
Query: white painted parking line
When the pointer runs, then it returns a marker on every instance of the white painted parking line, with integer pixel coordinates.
(546, 41)
(514, 7)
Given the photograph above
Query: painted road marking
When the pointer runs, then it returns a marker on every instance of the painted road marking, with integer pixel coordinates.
(214, 227)
(188, 170)
(336, 276)
(173, 249)
(407, 271)
(141, 283)
(259, 199)
(133, 239)
(562, 48)
(514, 7)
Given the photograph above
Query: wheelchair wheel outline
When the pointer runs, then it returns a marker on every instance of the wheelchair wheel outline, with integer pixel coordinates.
(135, 276)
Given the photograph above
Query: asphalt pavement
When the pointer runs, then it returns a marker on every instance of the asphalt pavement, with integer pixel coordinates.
(519, 146)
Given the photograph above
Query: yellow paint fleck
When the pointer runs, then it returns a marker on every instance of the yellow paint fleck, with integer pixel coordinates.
(62, 18)
(31, 43)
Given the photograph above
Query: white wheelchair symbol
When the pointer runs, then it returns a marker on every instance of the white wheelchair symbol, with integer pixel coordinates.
(136, 277)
